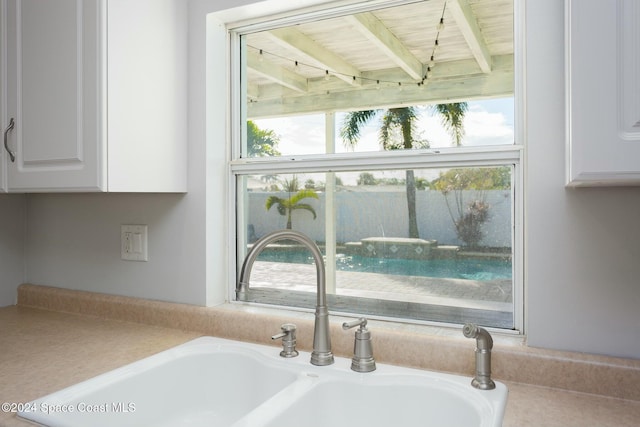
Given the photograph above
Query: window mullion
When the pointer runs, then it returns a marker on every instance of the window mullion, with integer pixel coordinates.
(386, 160)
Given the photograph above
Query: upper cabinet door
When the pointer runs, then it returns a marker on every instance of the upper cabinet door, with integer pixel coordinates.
(54, 95)
(98, 93)
(603, 92)
(4, 120)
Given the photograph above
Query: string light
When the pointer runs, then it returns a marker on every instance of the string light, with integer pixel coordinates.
(421, 84)
(436, 45)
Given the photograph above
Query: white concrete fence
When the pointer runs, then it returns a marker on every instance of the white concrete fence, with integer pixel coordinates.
(383, 213)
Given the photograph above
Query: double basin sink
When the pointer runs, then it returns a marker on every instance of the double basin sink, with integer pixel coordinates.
(216, 382)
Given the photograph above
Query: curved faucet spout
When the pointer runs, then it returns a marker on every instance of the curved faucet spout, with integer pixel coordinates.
(245, 273)
(321, 354)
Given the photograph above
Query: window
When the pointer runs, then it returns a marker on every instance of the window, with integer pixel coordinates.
(388, 136)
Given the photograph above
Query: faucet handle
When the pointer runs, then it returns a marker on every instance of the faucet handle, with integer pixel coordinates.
(362, 360)
(288, 335)
(362, 322)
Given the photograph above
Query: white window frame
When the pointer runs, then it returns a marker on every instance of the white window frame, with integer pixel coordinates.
(431, 158)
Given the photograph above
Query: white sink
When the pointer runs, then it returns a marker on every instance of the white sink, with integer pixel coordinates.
(216, 382)
(395, 400)
(192, 385)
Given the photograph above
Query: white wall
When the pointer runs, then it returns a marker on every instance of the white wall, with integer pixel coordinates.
(73, 241)
(582, 251)
(12, 259)
(582, 245)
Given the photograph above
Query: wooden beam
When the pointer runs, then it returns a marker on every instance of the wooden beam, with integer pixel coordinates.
(498, 83)
(452, 70)
(376, 32)
(302, 45)
(468, 26)
(444, 70)
(275, 73)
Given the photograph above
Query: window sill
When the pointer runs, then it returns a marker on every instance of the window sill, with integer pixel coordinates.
(389, 327)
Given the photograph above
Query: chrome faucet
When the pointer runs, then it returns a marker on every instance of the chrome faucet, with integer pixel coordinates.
(484, 344)
(321, 354)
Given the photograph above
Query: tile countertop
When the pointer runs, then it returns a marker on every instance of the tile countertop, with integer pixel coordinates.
(42, 351)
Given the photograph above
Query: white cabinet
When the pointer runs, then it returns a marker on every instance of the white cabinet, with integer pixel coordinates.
(603, 92)
(4, 121)
(98, 92)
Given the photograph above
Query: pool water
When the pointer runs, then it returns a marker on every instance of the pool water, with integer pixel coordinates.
(461, 268)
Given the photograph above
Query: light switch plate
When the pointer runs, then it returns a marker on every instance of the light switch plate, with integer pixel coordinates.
(133, 243)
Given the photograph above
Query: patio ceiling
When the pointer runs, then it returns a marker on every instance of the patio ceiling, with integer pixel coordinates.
(381, 58)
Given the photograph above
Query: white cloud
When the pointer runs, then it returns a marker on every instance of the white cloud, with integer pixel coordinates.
(485, 123)
(487, 128)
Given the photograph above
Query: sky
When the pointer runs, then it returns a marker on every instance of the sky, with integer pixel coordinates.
(487, 122)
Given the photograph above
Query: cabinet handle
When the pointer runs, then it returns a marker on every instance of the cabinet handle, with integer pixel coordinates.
(6, 146)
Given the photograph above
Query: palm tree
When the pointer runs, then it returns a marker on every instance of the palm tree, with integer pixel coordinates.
(403, 120)
(286, 207)
(452, 116)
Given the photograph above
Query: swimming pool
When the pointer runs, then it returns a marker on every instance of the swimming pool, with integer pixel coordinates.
(482, 269)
